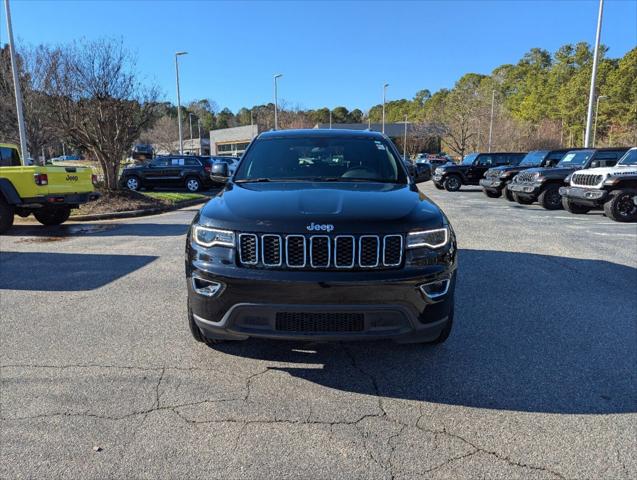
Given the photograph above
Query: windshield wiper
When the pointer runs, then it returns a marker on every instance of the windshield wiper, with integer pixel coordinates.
(250, 180)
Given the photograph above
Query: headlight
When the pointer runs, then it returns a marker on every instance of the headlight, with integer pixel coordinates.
(428, 238)
(210, 237)
(506, 175)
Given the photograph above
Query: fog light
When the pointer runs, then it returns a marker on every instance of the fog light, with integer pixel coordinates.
(207, 288)
(435, 290)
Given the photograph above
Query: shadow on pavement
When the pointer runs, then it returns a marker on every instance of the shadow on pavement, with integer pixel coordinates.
(533, 333)
(68, 272)
(100, 230)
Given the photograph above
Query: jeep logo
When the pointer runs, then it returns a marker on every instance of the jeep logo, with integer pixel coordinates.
(72, 178)
(315, 227)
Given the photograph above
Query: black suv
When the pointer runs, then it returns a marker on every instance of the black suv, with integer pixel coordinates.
(497, 179)
(320, 235)
(187, 171)
(451, 176)
(542, 185)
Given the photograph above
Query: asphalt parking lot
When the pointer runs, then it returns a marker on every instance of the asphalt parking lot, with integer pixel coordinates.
(100, 377)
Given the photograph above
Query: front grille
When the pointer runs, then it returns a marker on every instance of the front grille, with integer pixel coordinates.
(318, 322)
(320, 251)
(586, 180)
(492, 174)
(523, 177)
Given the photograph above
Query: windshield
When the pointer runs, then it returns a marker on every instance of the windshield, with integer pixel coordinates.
(534, 158)
(320, 159)
(575, 158)
(468, 159)
(630, 158)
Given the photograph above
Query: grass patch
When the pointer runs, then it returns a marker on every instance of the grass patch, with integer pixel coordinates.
(174, 197)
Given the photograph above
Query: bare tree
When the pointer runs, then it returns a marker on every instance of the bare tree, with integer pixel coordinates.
(98, 101)
(164, 134)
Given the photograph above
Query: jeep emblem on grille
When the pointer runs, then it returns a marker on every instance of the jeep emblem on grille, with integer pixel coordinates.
(315, 227)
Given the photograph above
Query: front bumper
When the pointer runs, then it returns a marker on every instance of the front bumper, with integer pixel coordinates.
(584, 196)
(528, 190)
(321, 305)
(493, 184)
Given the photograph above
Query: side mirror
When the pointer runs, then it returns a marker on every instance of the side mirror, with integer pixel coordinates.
(219, 171)
(595, 164)
(421, 173)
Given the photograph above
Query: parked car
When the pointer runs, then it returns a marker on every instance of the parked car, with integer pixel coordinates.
(496, 180)
(613, 189)
(542, 185)
(300, 246)
(232, 162)
(142, 152)
(451, 177)
(191, 172)
(47, 192)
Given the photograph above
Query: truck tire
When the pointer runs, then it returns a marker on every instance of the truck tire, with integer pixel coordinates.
(508, 194)
(521, 200)
(574, 207)
(439, 187)
(621, 206)
(452, 183)
(491, 194)
(7, 213)
(50, 216)
(196, 332)
(550, 197)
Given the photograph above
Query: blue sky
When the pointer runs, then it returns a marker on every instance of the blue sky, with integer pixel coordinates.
(331, 53)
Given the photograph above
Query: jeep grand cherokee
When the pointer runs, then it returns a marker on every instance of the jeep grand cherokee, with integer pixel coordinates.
(322, 235)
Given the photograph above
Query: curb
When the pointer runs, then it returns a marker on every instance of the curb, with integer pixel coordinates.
(138, 213)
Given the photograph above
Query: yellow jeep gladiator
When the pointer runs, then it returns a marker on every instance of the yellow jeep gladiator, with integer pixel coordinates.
(48, 192)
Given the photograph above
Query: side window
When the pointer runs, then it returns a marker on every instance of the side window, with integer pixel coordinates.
(160, 162)
(192, 162)
(177, 162)
(9, 157)
(484, 161)
(503, 159)
(607, 159)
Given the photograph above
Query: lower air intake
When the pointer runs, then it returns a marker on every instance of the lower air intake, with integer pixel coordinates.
(313, 322)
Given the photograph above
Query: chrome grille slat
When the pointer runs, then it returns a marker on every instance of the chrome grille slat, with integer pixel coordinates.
(316, 252)
(586, 180)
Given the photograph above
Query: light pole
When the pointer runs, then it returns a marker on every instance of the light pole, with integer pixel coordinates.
(491, 122)
(16, 85)
(591, 95)
(181, 138)
(330, 119)
(276, 101)
(384, 98)
(405, 140)
(190, 122)
(596, 114)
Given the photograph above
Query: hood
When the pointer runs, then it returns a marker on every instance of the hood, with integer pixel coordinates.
(555, 172)
(290, 207)
(617, 170)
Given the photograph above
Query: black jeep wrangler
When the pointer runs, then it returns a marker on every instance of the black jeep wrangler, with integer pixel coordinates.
(613, 189)
(320, 235)
(496, 179)
(451, 176)
(542, 185)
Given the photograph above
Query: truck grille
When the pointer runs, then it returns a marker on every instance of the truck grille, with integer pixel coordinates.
(586, 180)
(328, 322)
(320, 251)
(492, 174)
(524, 177)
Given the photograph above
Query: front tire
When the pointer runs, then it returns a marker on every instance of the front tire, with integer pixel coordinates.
(621, 206)
(7, 214)
(550, 198)
(51, 216)
(439, 187)
(508, 194)
(453, 183)
(574, 207)
(491, 194)
(444, 335)
(193, 184)
(133, 183)
(196, 332)
(521, 200)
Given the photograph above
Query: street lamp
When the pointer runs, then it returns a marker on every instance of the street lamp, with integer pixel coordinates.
(276, 101)
(330, 118)
(181, 138)
(491, 122)
(384, 98)
(597, 113)
(190, 122)
(405, 140)
(591, 96)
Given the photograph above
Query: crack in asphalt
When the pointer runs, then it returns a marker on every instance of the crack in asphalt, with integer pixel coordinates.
(391, 469)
